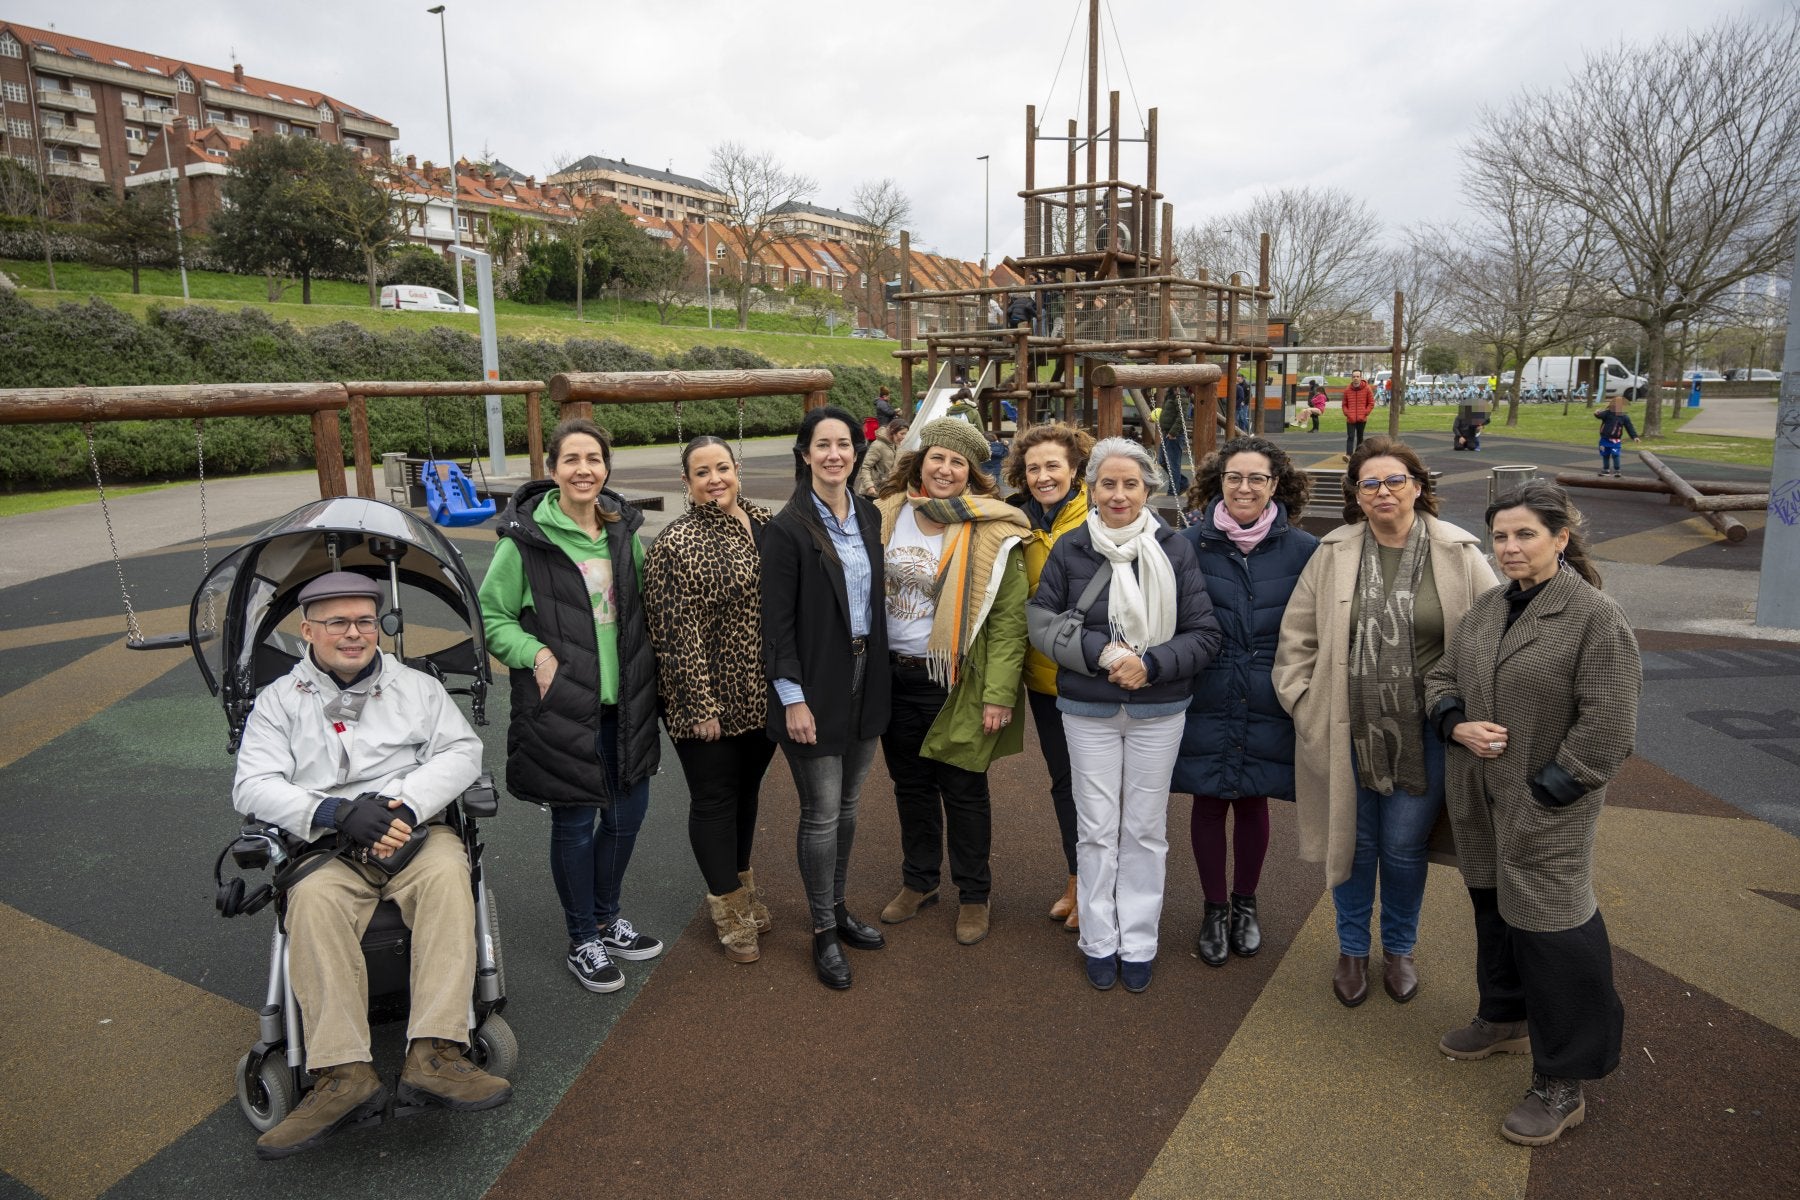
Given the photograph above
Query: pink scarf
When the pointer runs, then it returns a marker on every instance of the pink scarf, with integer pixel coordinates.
(1245, 537)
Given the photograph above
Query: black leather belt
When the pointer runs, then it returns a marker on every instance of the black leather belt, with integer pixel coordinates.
(910, 660)
(859, 645)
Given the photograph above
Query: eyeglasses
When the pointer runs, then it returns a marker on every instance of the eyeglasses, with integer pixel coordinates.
(339, 626)
(1235, 479)
(1393, 483)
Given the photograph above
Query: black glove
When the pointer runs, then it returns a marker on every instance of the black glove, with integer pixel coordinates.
(365, 819)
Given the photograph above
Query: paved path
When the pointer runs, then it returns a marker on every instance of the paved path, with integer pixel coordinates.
(1735, 417)
(947, 1071)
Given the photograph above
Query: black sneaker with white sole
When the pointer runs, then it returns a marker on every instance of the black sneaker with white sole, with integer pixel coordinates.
(622, 941)
(593, 966)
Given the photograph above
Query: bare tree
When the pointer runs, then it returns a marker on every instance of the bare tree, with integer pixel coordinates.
(1324, 251)
(354, 191)
(1416, 271)
(886, 210)
(756, 186)
(1685, 155)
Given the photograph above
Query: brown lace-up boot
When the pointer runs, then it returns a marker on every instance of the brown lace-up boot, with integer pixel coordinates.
(341, 1094)
(437, 1073)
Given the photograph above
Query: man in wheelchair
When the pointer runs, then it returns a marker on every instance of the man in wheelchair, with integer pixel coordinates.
(355, 749)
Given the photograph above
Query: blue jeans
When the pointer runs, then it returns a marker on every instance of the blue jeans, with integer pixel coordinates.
(588, 864)
(1609, 455)
(1391, 837)
(1171, 454)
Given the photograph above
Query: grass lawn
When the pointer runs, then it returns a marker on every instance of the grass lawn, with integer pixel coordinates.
(1545, 423)
(781, 338)
(13, 504)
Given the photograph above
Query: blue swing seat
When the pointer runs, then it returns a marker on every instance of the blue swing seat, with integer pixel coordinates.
(450, 497)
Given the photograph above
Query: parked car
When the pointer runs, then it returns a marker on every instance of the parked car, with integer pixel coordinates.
(868, 331)
(407, 298)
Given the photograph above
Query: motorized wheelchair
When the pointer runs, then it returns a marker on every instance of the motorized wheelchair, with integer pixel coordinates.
(234, 631)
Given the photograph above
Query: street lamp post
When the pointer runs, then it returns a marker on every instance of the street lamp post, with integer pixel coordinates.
(450, 132)
(987, 177)
(706, 235)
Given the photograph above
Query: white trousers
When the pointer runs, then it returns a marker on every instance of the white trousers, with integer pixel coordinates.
(1120, 770)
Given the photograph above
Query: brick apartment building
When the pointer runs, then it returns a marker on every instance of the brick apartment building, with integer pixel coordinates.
(655, 193)
(91, 111)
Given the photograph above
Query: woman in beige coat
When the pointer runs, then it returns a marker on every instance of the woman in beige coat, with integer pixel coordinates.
(1537, 699)
(1372, 613)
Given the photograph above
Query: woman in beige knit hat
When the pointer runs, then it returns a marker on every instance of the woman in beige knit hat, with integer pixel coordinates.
(956, 591)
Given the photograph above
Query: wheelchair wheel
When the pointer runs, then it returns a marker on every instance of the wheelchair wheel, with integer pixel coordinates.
(495, 1049)
(267, 1098)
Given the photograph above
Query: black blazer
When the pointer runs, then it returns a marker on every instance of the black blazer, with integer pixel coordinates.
(806, 627)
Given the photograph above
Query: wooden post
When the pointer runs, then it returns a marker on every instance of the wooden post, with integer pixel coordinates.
(1093, 91)
(569, 410)
(1150, 194)
(359, 447)
(1109, 419)
(328, 454)
(903, 319)
(1034, 210)
(1112, 135)
(817, 399)
(1165, 291)
(1069, 209)
(1731, 527)
(534, 434)
(1396, 397)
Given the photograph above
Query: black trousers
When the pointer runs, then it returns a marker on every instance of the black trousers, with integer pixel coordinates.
(724, 781)
(1353, 435)
(1054, 744)
(1560, 984)
(934, 798)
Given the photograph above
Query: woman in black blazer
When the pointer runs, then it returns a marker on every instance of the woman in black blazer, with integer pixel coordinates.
(825, 653)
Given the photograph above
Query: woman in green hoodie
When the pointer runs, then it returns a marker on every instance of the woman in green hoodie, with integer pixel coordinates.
(561, 606)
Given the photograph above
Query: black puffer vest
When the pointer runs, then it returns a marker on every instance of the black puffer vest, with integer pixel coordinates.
(551, 755)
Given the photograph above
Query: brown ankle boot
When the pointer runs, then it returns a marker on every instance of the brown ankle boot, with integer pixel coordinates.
(437, 1073)
(759, 912)
(1062, 908)
(341, 1094)
(906, 905)
(737, 930)
(1551, 1106)
(971, 923)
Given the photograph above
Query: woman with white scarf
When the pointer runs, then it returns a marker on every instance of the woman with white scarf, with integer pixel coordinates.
(1145, 635)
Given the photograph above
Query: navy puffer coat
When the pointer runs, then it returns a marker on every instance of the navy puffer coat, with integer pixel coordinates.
(1239, 741)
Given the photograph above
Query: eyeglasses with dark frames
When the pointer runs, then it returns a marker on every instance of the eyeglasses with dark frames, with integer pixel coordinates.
(339, 626)
(1238, 479)
(1393, 483)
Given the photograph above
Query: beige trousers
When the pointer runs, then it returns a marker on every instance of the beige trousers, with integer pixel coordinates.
(327, 913)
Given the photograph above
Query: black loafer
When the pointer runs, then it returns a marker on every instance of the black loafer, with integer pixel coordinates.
(829, 962)
(858, 935)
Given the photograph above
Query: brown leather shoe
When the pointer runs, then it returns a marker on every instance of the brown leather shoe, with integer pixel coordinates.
(1074, 921)
(1400, 977)
(971, 923)
(1481, 1038)
(437, 1073)
(1063, 907)
(1351, 981)
(1551, 1106)
(340, 1096)
(906, 905)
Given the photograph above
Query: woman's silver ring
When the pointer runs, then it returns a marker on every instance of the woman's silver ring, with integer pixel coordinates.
(1496, 745)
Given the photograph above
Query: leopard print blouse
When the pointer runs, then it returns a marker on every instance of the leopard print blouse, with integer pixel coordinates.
(703, 598)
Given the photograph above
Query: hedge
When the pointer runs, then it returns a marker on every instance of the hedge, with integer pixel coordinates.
(97, 345)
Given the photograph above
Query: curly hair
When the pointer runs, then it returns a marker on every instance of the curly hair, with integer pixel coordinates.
(1078, 443)
(1380, 447)
(1293, 487)
(908, 475)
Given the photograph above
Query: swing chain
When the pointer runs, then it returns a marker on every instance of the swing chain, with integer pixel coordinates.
(740, 453)
(132, 632)
(680, 438)
(1179, 395)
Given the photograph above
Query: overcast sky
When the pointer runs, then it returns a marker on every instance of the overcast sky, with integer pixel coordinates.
(1373, 96)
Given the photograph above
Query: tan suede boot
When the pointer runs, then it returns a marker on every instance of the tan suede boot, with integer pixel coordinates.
(437, 1073)
(737, 931)
(1065, 904)
(759, 912)
(906, 905)
(971, 923)
(341, 1094)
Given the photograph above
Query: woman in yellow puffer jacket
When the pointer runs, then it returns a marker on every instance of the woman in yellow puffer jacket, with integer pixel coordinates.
(1045, 467)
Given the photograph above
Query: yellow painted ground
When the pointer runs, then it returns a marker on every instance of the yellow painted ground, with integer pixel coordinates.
(116, 1062)
(1652, 546)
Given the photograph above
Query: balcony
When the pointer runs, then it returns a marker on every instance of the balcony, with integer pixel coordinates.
(367, 128)
(68, 135)
(69, 101)
(92, 172)
(139, 115)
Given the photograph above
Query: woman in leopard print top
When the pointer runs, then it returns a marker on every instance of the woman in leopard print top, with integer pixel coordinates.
(702, 594)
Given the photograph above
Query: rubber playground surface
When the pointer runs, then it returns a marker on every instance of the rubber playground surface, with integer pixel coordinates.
(945, 1071)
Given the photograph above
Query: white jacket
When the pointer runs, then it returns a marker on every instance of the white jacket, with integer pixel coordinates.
(411, 743)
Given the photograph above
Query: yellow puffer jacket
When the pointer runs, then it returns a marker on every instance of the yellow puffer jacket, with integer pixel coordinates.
(1040, 672)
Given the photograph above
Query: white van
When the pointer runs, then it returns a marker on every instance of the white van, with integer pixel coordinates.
(1571, 371)
(405, 298)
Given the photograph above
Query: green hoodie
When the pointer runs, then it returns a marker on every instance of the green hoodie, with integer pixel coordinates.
(505, 592)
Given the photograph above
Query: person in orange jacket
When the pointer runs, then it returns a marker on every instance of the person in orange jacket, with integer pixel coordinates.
(1359, 402)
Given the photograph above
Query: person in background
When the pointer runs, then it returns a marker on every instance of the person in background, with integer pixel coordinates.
(1144, 638)
(825, 656)
(1242, 394)
(956, 595)
(878, 463)
(561, 606)
(1174, 421)
(1465, 431)
(1536, 699)
(885, 412)
(996, 312)
(1615, 427)
(1021, 309)
(1316, 400)
(1237, 751)
(703, 596)
(1045, 468)
(1371, 615)
(1358, 402)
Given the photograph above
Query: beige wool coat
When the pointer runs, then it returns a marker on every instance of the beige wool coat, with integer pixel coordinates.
(1564, 681)
(1312, 674)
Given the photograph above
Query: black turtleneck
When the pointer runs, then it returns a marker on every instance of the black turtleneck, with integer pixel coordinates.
(1518, 599)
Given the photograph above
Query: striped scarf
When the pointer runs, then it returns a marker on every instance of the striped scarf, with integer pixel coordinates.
(975, 527)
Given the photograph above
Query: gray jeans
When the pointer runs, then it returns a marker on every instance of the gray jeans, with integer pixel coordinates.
(829, 787)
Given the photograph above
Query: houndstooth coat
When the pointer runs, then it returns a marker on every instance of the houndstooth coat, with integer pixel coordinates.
(1564, 681)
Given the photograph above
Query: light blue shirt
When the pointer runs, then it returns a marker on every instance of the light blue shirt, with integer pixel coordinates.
(859, 578)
